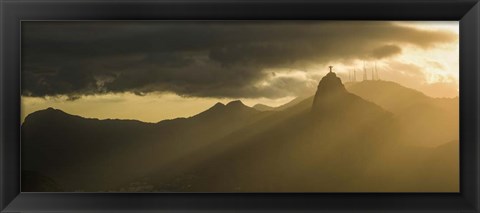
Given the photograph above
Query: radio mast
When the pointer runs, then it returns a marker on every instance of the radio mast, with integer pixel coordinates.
(364, 72)
(376, 71)
(354, 74)
(349, 75)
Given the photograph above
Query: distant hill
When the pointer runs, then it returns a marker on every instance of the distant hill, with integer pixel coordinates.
(389, 95)
(436, 120)
(361, 138)
(263, 107)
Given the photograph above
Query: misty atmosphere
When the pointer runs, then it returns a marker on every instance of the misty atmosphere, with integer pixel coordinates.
(239, 107)
(334, 141)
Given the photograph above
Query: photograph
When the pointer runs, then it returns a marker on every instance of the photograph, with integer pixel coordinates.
(233, 106)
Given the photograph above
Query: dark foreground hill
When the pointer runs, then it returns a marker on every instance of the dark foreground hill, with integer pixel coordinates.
(92, 154)
(335, 141)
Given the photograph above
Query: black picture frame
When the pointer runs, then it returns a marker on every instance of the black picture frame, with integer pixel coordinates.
(14, 11)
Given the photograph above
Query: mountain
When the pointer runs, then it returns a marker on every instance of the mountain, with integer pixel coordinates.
(313, 141)
(263, 107)
(414, 110)
(67, 147)
(79, 152)
(389, 95)
(334, 141)
(338, 135)
(234, 110)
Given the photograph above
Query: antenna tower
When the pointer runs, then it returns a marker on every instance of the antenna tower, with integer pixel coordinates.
(354, 74)
(364, 72)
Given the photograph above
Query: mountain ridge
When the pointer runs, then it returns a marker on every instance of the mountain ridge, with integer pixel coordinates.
(227, 147)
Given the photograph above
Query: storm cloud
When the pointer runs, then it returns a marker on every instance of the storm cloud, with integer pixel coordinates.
(202, 59)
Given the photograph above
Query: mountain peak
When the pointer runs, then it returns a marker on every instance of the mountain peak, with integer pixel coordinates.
(329, 90)
(46, 114)
(231, 105)
(50, 111)
(330, 83)
(218, 105)
(215, 108)
(219, 110)
(236, 103)
(263, 107)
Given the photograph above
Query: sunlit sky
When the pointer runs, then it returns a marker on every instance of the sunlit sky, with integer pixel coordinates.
(163, 70)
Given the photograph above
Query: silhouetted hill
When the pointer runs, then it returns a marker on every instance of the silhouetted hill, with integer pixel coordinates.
(329, 91)
(335, 141)
(433, 120)
(332, 99)
(78, 152)
(345, 144)
(295, 101)
(75, 151)
(234, 109)
(263, 107)
(329, 145)
(389, 95)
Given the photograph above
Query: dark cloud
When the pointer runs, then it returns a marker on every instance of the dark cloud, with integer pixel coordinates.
(386, 51)
(206, 59)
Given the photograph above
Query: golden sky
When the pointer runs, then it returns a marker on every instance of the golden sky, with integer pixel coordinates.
(162, 70)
